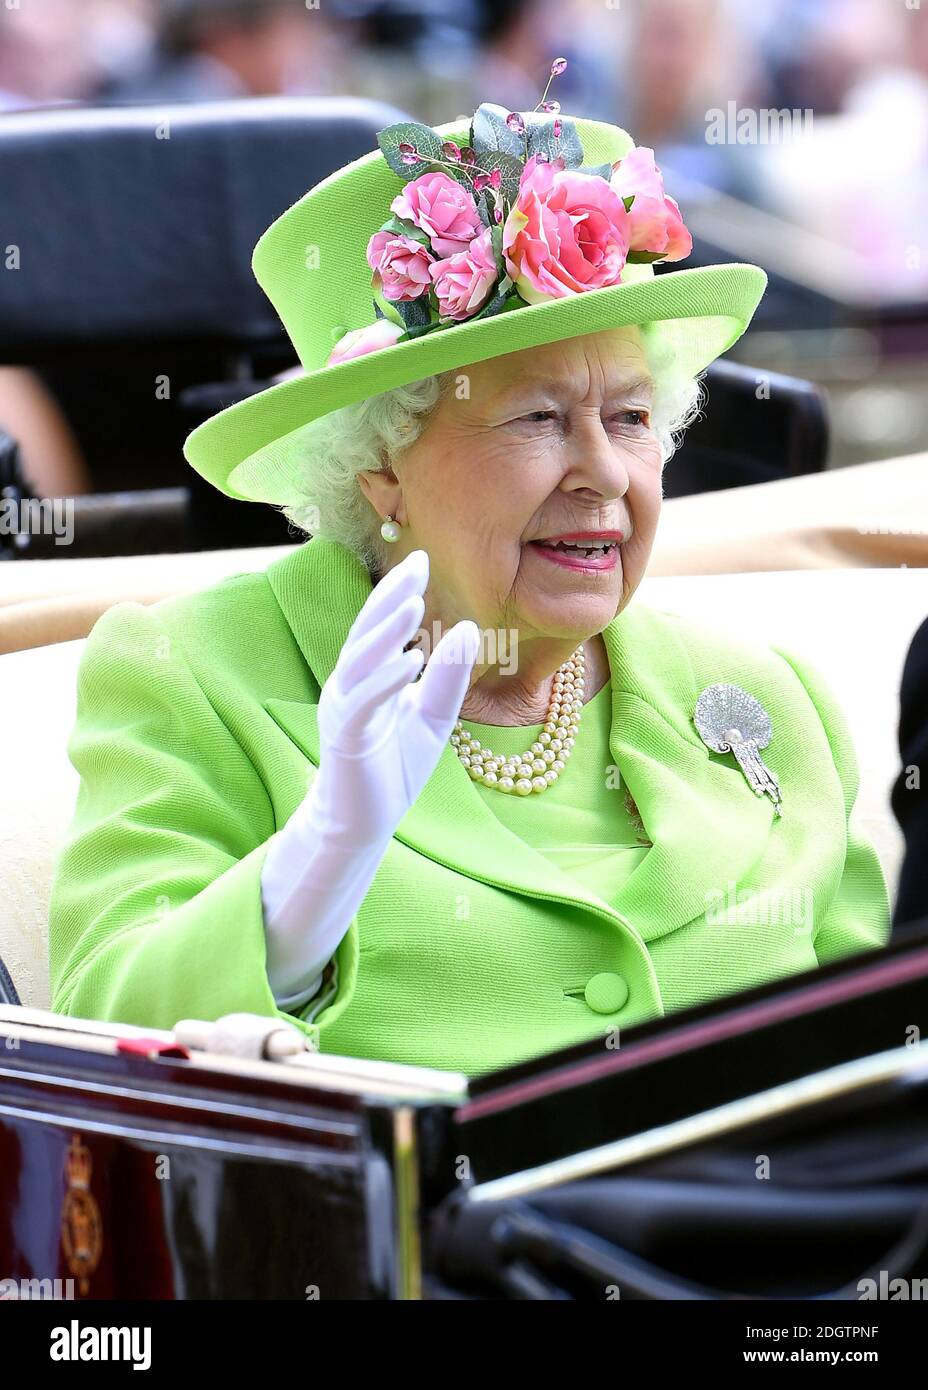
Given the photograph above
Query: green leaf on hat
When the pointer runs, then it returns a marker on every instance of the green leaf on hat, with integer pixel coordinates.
(603, 171)
(401, 227)
(489, 132)
(387, 308)
(459, 172)
(496, 241)
(409, 133)
(542, 140)
(499, 304)
(485, 208)
(418, 330)
(510, 168)
(415, 313)
(644, 257)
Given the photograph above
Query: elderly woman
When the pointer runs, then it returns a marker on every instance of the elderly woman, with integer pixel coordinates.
(432, 786)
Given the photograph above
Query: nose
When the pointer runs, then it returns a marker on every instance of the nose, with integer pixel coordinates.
(596, 465)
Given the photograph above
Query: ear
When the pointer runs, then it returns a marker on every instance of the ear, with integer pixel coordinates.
(382, 489)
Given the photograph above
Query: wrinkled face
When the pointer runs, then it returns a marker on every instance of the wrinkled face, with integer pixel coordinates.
(539, 443)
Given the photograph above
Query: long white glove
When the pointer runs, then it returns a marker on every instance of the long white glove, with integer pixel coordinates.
(381, 733)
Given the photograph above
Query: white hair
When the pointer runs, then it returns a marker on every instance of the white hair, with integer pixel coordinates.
(371, 434)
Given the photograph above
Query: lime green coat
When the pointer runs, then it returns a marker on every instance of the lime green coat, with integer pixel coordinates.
(196, 738)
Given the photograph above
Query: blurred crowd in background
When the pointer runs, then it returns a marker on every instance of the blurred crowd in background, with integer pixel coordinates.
(842, 182)
(654, 66)
(655, 63)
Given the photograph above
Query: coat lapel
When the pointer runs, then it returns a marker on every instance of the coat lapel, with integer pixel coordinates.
(706, 826)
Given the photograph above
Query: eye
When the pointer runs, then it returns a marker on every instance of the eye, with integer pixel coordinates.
(637, 419)
(540, 415)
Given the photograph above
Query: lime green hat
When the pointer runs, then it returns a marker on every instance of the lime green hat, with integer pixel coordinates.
(313, 264)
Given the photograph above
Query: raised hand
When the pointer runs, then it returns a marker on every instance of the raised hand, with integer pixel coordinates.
(381, 730)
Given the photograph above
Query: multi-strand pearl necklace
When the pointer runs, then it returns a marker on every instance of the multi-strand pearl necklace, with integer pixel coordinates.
(539, 766)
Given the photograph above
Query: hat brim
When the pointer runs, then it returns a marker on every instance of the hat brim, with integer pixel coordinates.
(252, 450)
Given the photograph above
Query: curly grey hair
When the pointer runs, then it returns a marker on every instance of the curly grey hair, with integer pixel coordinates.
(372, 433)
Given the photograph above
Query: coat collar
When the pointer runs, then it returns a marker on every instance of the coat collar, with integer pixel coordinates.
(706, 826)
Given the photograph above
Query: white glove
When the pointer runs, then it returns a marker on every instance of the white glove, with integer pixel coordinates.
(381, 733)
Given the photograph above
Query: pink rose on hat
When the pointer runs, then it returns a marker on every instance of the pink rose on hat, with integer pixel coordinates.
(656, 221)
(566, 232)
(400, 265)
(463, 283)
(442, 208)
(361, 341)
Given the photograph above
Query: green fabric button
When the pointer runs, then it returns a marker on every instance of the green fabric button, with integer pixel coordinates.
(605, 994)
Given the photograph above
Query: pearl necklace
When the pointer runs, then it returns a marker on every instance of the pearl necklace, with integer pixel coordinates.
(540, 766)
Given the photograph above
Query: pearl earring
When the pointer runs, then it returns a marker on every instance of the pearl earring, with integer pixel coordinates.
(390, 530)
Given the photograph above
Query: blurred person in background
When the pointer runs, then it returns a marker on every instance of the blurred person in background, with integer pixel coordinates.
(414, 54)
(212, 50)
(516, 37)
(816, 50)
(49, 53)
(430, 57)
(45, 55)
(53, 52)
(58, 51)
(854, 171)
(674, 62)
(51, 461)
(885, 132)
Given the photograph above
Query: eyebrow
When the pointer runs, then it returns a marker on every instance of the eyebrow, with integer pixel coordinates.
(525, 391)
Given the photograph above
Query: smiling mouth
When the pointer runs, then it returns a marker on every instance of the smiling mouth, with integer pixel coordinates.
(583, 557)
(580, 549)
